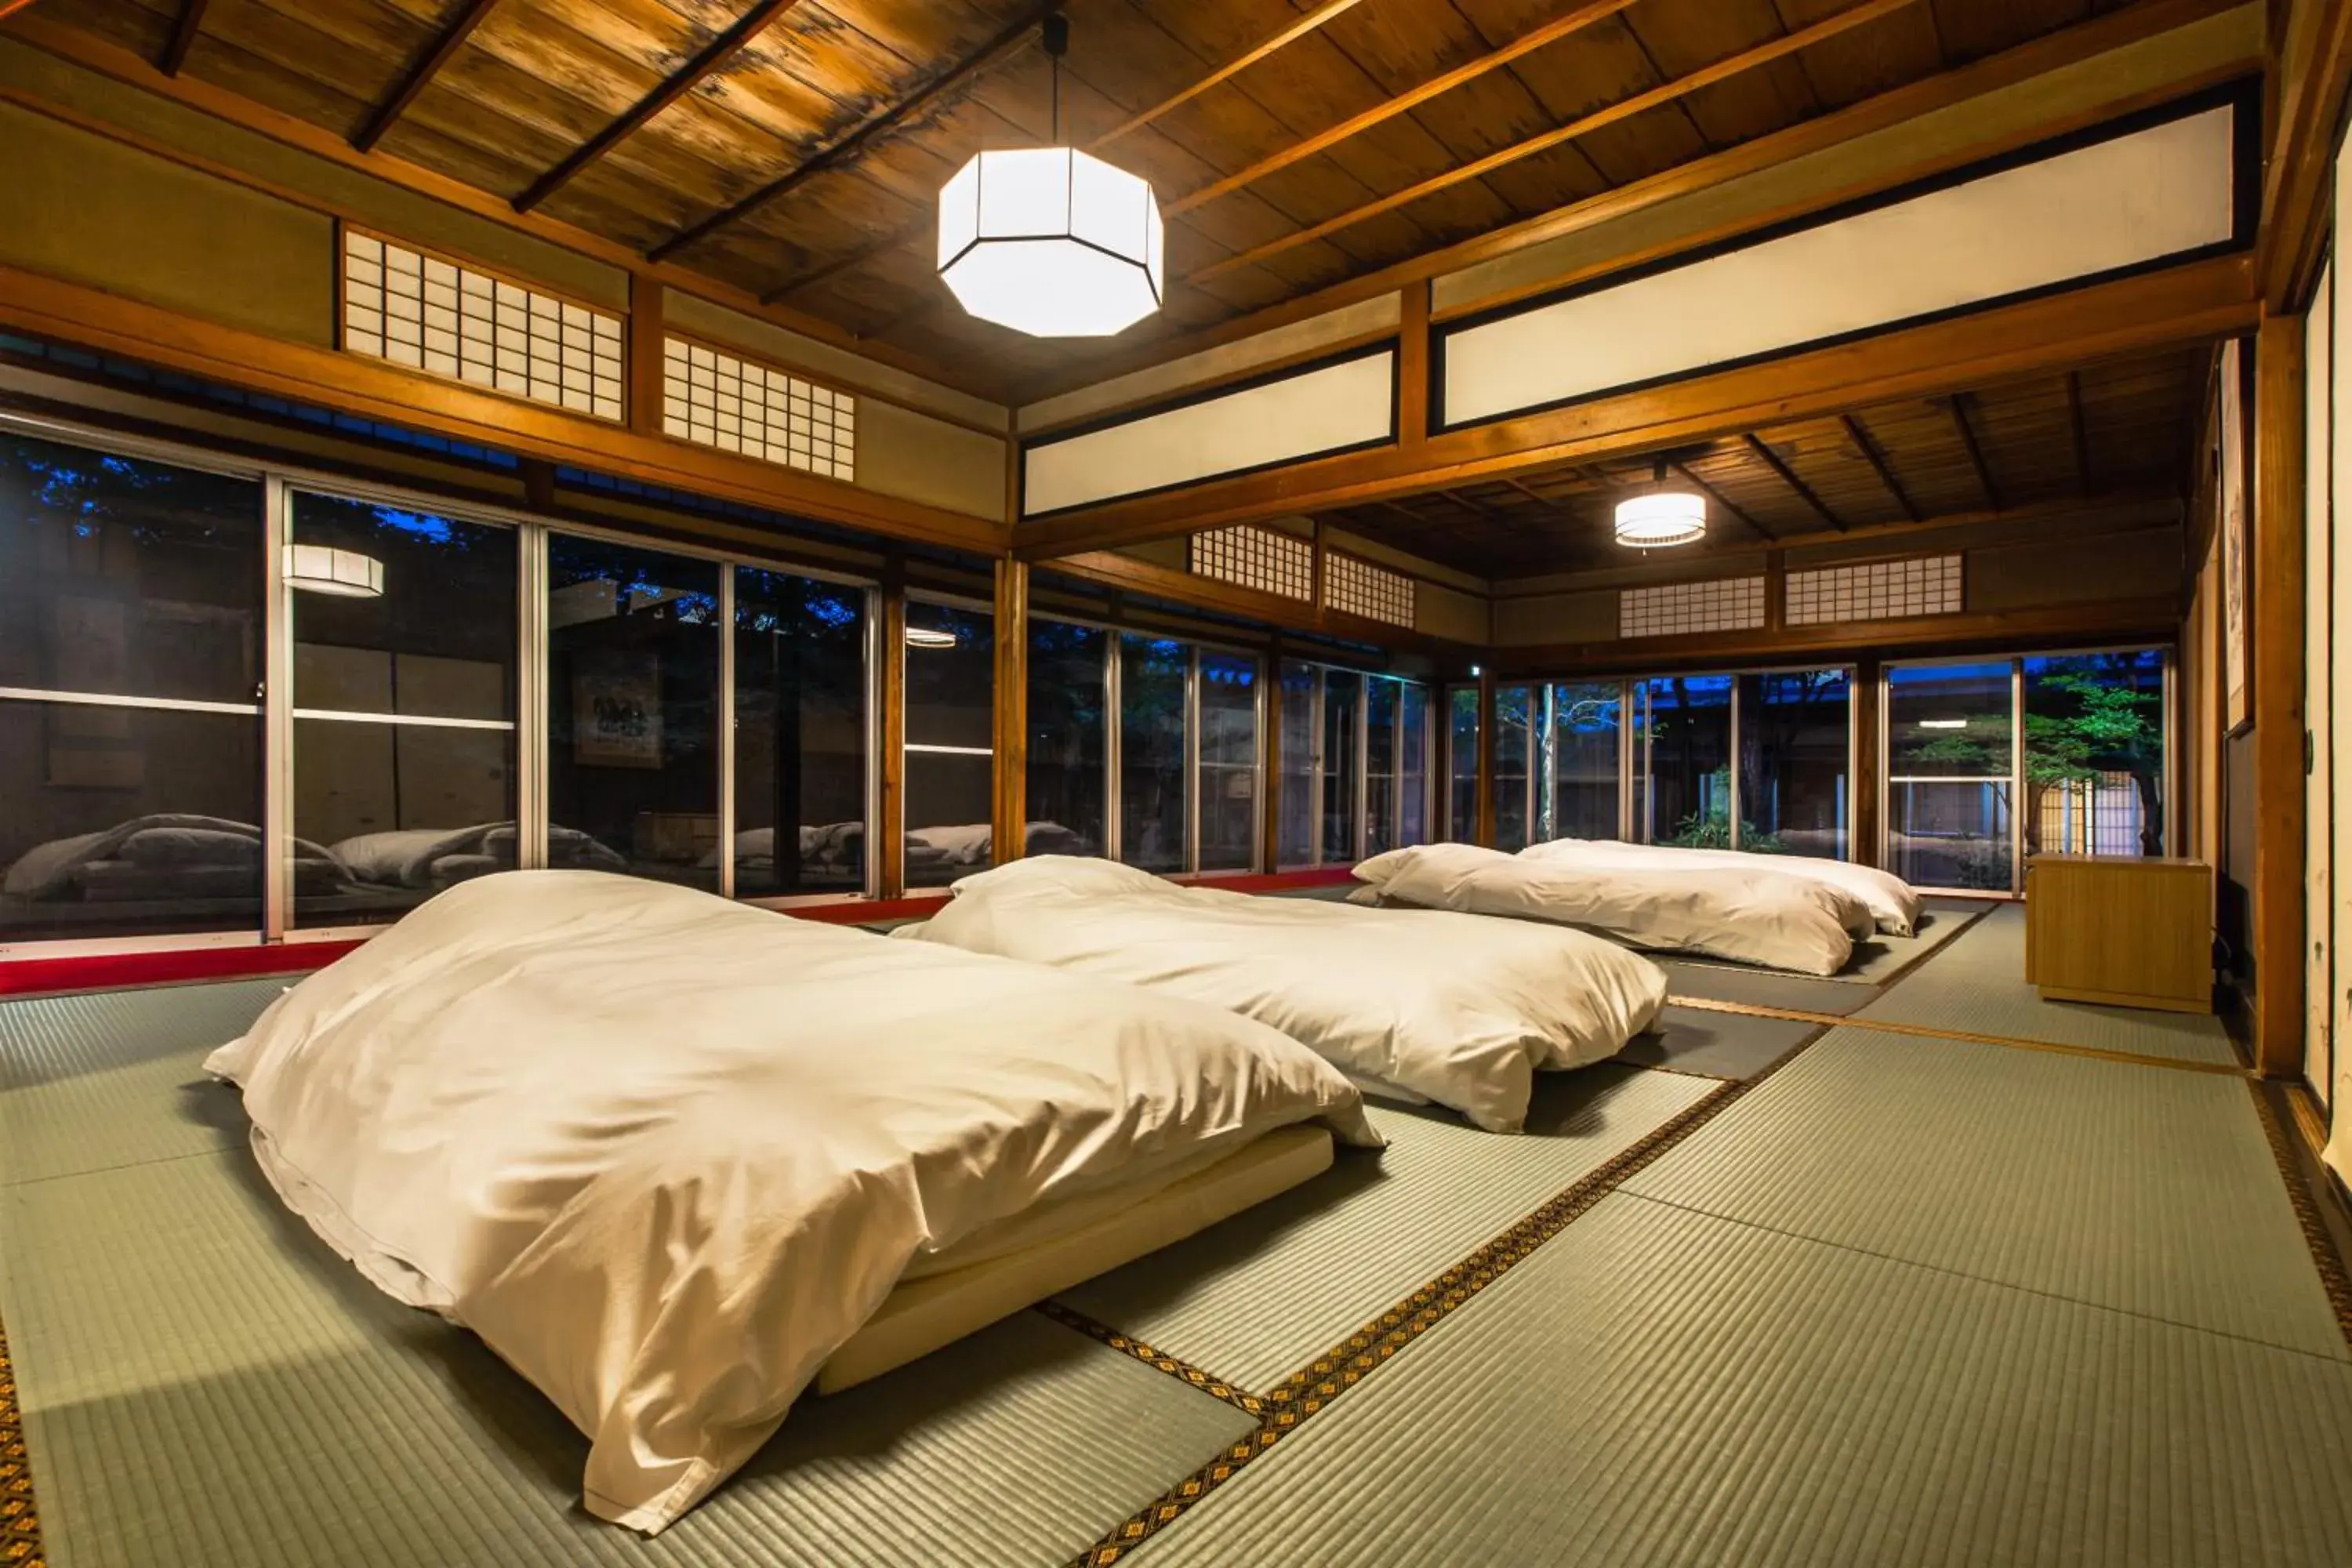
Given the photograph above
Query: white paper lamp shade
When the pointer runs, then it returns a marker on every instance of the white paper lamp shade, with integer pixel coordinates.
(1051, 242)
(929, 636)
(321, 569)
(1669, 517)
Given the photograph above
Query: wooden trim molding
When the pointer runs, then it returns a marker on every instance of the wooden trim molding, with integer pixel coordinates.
(2296, 188)
(1011, 738)
(2189, 303)
(48, 307)
(887, 833)
(1487, 683)
(2275, 611)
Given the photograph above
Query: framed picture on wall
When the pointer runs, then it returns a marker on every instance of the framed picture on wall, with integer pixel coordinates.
(616, 713)
(2229, 477)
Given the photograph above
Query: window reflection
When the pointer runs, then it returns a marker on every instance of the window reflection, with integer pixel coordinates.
(1462, 765)
(1950, 767)
(1301, 722)
(1343, 699)
(950, 654)
(801, 688)
(1153, 722)
(1796, 743)
(131, 657)
(1684, 761)
(1382, 720)
(1587, 730)
(1229, 803)
(1068, 791)
(633, 711)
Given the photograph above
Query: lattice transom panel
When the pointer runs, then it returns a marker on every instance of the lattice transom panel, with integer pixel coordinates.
(1262, 558)
(1677, 609)
(1878, 591)
(415, 308)
(1360, 588)
(736, 404)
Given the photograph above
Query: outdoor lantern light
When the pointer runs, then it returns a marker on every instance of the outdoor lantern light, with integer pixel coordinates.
(1660, 517)
(322, 569)
(1048, 241)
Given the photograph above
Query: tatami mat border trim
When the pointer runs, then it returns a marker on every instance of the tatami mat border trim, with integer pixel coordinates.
(2306, 1203)
(1183, 1371)
(20, 1521)
(1313, 1388)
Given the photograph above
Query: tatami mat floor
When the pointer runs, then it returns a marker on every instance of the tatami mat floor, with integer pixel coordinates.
(1779, 1287)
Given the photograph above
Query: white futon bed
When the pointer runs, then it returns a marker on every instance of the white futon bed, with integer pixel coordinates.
(676, 1159)
(1422, 1006)
(1891, 903)
(1750, 914)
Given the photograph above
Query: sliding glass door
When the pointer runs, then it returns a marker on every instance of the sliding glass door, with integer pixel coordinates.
(1068, 775)
(1951, 767)
(950, 781)
(801, 735)
(1227, 689)
(1586, 734)
(1154, 736)
(1796, 755)
(1682, 763)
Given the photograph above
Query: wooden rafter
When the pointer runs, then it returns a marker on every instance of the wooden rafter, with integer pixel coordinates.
(10, 7)
(1667, 92)
(1788, 475)
(1310, 23)
(184, 28)
(452, 36)
(1682, 470)
(2078, 432)
(1880, 466)
(1527, 43)
(1957, 405)
(1015, 37)
(713, 55)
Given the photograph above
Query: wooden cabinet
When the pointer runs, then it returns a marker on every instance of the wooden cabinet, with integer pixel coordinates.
(2135, 933)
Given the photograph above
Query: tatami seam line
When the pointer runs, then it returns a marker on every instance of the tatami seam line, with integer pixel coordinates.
(1929, 1032)
(1949, 1272)
(229, 1148)
(1313, 1388)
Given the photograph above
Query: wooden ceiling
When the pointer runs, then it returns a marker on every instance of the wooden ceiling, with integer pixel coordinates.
(2121, 429)
(793, 148)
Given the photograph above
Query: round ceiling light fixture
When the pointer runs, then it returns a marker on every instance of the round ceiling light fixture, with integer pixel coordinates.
(1048, 241)
(1660, 517)
(322, 569)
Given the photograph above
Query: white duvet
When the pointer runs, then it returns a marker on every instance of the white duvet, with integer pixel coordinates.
(1745, 913)
(666, 1153)
(1891, 905)
(1459, 1011)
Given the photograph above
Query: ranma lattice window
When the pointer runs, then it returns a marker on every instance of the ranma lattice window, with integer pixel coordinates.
(1880, 590)
(411, 308)
(1678, 609)
(1360, 588)
(718, 399)
(1261, 558)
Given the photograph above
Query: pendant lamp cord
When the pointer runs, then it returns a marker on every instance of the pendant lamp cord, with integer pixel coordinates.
(1055, 33)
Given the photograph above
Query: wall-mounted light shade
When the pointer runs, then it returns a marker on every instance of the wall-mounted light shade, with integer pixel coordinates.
(1943, 723)
(927, 637)
(1664, 517)
(322, 569)
(1051, 242)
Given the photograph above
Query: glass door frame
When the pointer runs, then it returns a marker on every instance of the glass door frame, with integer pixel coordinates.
(2168, 699)
(1436, 698)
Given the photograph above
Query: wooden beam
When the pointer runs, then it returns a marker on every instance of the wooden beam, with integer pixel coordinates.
(2078, 432)
(2275, 613)
(184, 28)
(10, 7)
(1269, 739)
(1280, 38)
(707, 61)
(648, 352)
(1881, 467)
(887, 836)
(91, 318)
(1413, 365)
(2196, 302)
(1868, 740)
(1010, 742)
(2315, 59)
(1015, 37)
(2068, 47)
(1551, 32)
(1486, 752)
(1667, 92)
(1957, 405)
(427, 66)
(1772, 460)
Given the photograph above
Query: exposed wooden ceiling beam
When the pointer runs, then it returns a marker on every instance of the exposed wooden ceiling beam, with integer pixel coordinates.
(1772, 460)
(2078, 432)
(1281, 38)
(713, 55)
(1016, 36)
(10, 7)
(184, 28)
(1527, 43)
(452, 36)
(1667, 92)
(1957, 405)
(1884, 469)
(1719, 498)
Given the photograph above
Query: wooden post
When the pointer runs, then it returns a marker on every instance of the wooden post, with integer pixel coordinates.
(649, 340)
(1867, 740)
(1269, 804)
(888, 834)
(2275, 614)
(1010, 736)
(1413, 365)
(1486, 755)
